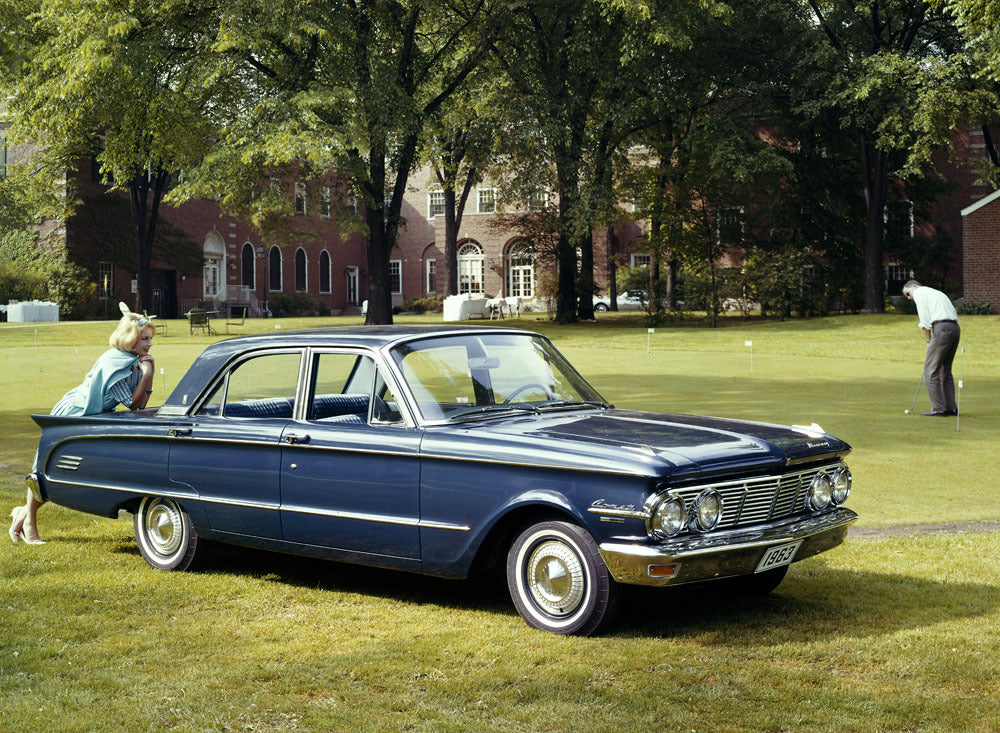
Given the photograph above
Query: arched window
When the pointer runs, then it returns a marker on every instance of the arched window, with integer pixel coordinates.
(214, 266)
(249, 274)
(470, 268)
(300, 269)
(520, 271)
(324, 271)
(274, 270)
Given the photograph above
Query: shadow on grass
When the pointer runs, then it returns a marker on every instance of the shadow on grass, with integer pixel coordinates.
(824, 602)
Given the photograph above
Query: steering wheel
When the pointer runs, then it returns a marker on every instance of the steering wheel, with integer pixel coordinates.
(530, 385)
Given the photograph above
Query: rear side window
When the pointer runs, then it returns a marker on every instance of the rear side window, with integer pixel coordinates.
(260, 387)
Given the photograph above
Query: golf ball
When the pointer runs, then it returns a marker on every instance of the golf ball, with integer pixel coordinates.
(906, 412)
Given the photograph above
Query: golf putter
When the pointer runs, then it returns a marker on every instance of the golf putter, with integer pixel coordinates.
(914, 403)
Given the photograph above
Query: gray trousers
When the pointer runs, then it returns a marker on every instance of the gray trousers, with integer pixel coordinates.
(937, 365)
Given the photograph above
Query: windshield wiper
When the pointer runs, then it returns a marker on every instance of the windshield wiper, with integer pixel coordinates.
(487, 409)
(569, 404)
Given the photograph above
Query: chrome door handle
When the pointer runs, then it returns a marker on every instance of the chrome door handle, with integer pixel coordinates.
(296, 438)
(177, 432)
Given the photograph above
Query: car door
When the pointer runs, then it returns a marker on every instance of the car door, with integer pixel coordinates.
(230, 452)
(350, 470)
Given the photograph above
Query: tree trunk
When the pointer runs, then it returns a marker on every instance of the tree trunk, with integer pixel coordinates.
(145, 215)
(875, 166)
(585, 310)
(379, 247)
(612, 270)
(451, 224)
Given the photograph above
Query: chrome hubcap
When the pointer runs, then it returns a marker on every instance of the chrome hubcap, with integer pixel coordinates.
(164, 528)
(555, 578)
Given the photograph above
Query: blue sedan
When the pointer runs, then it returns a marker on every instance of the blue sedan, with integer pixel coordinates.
(440, 450)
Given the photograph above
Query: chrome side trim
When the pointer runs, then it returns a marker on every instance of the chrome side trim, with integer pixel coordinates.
(271, 506)
(379, 518)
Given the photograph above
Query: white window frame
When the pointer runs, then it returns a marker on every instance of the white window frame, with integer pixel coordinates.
(640, 260)
(396, 277)
(430, 273)
(539, 201)
(520, 272)
(432, 204)
(325, 203)
(490, 195)
(471, 268)
(105, 279)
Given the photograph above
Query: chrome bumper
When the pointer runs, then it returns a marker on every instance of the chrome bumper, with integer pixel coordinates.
(722, 554)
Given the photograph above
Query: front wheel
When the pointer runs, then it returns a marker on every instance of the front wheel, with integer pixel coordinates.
(600, 308)
(164, 534)
(558, 581)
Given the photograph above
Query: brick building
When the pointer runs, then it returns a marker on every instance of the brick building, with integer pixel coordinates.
(981, 251)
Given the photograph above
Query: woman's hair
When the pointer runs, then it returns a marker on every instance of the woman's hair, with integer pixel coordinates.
(126, 336)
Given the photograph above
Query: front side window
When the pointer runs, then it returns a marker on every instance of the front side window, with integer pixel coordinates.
(469, 376)
(262, 387)
(348, 389)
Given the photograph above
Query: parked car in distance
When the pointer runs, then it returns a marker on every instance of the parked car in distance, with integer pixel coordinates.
(439, 450)
(632, 300)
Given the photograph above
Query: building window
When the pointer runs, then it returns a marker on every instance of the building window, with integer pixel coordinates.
(639, 260)
(539, 201)
(435, 204)
(300, 270)
(105, 279)
(274, 270)
(249, 274)
(351, 284)
(396, 276)
(210, 276)
(324, 271)
(470, 268)
(324, 203)
(520, 272)
(896, 275)
(300, 199)
(487, 201)
(351, 202)
(899, 219)
(430, 281)
(730, 227)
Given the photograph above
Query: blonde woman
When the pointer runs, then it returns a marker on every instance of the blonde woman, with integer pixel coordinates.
(122, 375)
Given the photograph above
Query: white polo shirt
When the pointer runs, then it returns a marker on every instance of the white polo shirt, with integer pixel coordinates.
(933, 305)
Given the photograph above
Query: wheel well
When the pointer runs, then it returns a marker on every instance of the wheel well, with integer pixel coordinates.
(492, 553)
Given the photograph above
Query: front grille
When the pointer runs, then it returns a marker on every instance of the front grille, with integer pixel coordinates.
(758, 500)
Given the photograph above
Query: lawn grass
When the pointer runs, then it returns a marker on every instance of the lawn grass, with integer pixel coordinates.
(886, 634)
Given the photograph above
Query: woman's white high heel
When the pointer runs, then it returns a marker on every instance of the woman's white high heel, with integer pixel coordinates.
(15, 517)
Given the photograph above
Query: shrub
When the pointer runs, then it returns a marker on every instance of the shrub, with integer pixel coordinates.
(288, 305)
(971, 308)
(429, 303)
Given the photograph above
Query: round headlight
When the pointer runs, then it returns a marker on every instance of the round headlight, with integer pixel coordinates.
(842, 481)
(707, 510)
(668, 516)
(820, 491)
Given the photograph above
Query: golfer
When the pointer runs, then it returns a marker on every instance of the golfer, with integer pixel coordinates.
(939, 320)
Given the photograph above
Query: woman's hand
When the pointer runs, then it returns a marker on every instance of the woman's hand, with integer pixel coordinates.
(147, 366)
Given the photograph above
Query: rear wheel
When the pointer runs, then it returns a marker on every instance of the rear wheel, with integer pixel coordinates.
(558, 581)
(164, 534)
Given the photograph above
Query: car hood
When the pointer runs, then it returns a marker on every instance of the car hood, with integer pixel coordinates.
(644, 442)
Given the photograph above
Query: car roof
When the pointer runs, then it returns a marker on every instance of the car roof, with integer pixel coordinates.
(216, 355)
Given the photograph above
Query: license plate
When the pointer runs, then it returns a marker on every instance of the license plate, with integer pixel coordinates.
(778, 556)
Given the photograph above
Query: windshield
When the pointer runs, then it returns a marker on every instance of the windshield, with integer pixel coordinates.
(463, 376)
